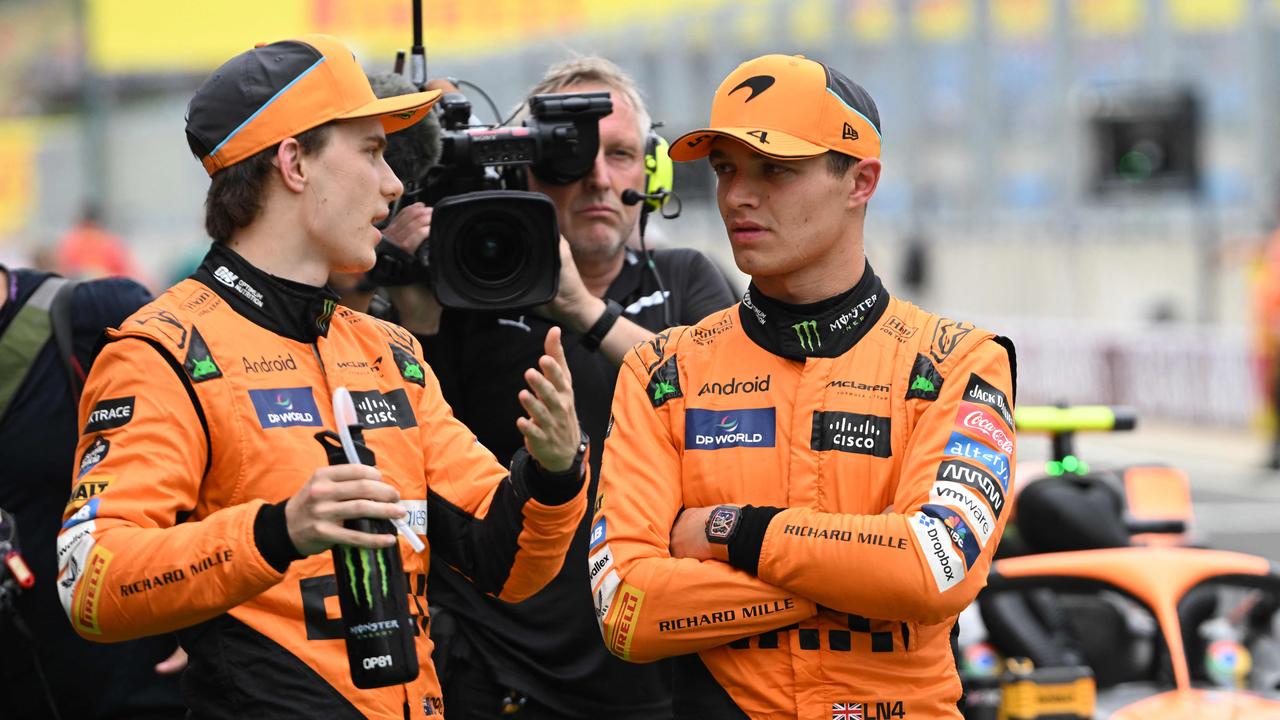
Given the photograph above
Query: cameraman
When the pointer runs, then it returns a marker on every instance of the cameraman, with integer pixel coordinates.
(543, 658)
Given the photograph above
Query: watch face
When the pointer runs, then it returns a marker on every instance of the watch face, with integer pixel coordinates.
(721, 524)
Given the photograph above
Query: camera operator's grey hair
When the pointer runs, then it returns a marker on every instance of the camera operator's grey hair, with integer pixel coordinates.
(591, 70)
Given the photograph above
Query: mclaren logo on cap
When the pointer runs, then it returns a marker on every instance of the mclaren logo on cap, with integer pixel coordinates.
(849, 133)
(757, 83)
(697, 141)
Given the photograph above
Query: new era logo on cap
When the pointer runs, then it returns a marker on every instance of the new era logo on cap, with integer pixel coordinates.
(849, 133)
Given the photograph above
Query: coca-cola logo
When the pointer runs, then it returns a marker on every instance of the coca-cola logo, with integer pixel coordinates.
(974, 417)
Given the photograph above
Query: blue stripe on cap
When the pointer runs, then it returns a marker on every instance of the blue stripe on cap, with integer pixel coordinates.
(864, 117)
(258, 112)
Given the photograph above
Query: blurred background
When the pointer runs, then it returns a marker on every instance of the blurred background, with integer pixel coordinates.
(1094, 178)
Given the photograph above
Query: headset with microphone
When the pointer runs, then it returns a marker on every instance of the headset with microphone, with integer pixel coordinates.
(659, 174)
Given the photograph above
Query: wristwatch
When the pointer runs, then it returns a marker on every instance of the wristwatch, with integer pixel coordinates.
(722, 524)
(612, 311)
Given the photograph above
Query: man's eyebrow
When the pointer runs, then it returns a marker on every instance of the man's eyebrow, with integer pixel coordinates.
(715, 155)
(379, 141)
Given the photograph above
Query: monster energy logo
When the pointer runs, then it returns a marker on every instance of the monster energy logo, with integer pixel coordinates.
(364, 576)
(662, 389)
(807, 334)
(923, 384)
(326, 312)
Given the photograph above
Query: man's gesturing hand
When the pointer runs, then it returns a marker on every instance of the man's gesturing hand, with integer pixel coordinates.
(315, 513)
(551, 431)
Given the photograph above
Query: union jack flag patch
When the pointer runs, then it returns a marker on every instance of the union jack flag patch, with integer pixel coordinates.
(846, 711)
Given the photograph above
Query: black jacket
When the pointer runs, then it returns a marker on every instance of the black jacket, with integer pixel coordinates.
(549, 645)
(37, 444)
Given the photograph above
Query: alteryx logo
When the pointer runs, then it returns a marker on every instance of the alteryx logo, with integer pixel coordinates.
(716, 429)
(285, 407)
(970, 449)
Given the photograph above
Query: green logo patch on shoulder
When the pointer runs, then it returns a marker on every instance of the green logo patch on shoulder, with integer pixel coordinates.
(926, 382)
(200, 365)
(664, 384)
(410, 367)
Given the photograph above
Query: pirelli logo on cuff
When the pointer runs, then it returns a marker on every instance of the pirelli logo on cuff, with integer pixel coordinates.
(85, 609)
(620, 624)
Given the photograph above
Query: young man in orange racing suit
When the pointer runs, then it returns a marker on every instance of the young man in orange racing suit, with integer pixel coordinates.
(205, 503)
(803, 491)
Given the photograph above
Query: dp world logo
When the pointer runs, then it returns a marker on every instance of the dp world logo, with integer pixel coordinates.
(716, 429)
(807, 333)
(285, 407)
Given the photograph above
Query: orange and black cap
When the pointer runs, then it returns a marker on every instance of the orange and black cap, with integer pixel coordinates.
(277, 91)
(788, 107)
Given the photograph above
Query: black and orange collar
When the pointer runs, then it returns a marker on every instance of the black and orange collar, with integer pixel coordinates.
(291, 309)
(825, 329)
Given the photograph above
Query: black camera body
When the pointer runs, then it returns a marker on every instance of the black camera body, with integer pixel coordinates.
(493, 245)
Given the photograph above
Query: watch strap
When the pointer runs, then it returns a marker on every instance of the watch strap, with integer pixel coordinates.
(593, 337)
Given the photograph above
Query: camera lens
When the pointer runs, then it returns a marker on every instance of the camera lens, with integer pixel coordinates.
(493, 251)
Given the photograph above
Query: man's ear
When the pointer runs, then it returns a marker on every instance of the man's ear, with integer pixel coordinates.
(288, 162)
(866, 176)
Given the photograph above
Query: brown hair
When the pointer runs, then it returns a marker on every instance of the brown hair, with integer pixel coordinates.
(838, 163)
(235, 194)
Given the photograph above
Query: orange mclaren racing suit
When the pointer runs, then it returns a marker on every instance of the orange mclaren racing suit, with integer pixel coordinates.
(871, 444)
(199, 423)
